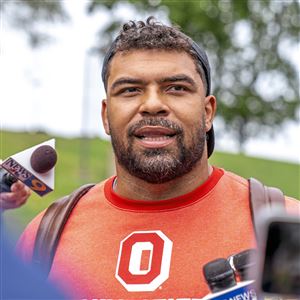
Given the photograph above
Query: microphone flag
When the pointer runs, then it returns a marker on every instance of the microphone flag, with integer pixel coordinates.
(20, 167)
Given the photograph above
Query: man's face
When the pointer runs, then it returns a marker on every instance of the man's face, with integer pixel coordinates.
(156, 113)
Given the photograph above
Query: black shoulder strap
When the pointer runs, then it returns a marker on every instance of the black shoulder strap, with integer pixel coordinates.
(262, 196)
(51, 228)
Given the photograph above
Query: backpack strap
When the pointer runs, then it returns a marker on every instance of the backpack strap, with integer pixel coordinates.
(51, 228)
(262, 196)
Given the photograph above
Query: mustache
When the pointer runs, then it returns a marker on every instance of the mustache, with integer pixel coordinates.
(162, 122)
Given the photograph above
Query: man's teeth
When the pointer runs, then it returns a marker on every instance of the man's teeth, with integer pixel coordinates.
(155, 138)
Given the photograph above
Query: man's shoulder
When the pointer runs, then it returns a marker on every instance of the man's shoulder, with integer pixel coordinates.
(86, 191)
(30, 231)
(26, 241)
(231, 179)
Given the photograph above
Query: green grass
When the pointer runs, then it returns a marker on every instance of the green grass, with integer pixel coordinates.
(283, 175)
(80, 161)
(73, 171)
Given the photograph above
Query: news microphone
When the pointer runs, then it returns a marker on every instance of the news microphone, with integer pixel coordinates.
(219, 275)
(6, 181)
(43, 159)
(221, 280)
(33, 166)
(242, 264)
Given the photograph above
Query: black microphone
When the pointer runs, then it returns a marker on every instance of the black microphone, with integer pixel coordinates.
(219, 275)
(42, 160)
(221, 280)
(243, 263)
(6, 181)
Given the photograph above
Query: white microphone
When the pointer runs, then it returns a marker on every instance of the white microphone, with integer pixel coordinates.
(33, 166)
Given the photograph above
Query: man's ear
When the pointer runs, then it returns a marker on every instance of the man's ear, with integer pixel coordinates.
(210, 105)
(104, 116)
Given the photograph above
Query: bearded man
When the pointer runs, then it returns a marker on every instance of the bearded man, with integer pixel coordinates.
(146, 232)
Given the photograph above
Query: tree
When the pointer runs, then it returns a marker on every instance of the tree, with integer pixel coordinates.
(247, 41)
(30, 15)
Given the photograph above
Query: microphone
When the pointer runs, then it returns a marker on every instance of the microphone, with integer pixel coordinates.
(6, 181)
(43, 159)
(221, 280)
(33, 166)
(243, 263)
(219, 275)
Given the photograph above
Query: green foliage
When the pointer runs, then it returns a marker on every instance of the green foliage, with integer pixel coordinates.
(283, 175)
(248, 43)
(99, 165)
(255, 83)
(29, 16)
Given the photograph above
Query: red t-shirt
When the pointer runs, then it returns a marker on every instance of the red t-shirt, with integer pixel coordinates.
(117, 248)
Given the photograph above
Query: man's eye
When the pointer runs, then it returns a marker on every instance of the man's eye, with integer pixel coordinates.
(177, 88)
(129, 90)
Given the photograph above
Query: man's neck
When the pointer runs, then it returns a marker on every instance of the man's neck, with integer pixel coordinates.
(131, 187)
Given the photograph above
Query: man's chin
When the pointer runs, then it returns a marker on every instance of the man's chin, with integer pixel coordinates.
(155, 169)
(155, 178)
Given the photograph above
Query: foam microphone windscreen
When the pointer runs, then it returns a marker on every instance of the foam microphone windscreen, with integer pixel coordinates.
(43, 159)
(219, 275)
(243, 262)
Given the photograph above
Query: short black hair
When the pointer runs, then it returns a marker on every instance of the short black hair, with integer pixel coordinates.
(155, 35)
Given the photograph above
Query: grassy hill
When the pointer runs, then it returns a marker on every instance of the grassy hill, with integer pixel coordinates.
(90, 160)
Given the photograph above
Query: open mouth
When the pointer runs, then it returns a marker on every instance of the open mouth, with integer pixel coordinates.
(155, 136)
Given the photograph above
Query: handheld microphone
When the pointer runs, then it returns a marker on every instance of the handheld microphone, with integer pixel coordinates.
(43, 159)
(243, 262)
(6, 181)
(33, 166)
(219, 275)
(222, 283)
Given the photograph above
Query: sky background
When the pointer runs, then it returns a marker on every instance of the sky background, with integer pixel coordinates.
(44, 88)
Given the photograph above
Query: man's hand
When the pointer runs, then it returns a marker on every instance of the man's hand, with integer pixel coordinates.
(16, 198)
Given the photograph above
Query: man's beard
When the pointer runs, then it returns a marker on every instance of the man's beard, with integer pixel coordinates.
(160, 165)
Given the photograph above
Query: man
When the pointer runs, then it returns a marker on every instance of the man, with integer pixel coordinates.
(148, 231)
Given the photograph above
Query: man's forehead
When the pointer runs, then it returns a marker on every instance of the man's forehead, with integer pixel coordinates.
(144, 62)
(157, 52)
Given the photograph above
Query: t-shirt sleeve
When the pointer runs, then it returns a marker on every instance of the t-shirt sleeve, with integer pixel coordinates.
(25, 244)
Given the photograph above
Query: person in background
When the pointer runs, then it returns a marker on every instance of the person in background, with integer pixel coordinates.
(18, 281)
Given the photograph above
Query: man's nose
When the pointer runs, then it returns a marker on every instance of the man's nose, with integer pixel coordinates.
(153, 103)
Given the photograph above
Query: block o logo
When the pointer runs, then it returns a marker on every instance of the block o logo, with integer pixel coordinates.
(144, 260)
